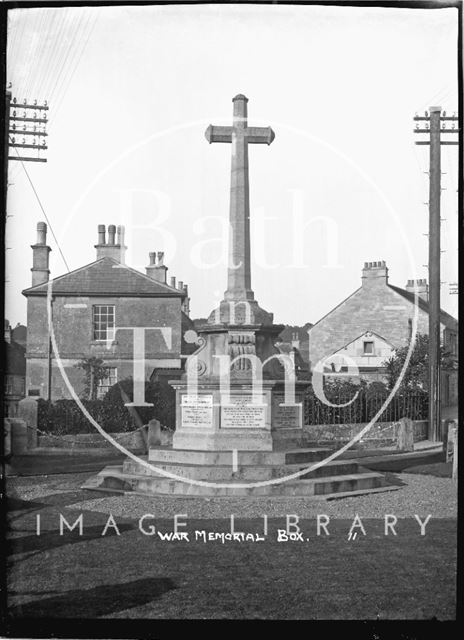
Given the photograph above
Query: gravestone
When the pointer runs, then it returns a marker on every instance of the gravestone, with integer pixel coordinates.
(28, 410)
(405, 435)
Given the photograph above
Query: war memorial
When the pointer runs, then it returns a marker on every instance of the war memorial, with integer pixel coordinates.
(239, 404)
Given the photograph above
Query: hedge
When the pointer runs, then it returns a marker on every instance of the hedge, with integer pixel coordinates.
(65, 416)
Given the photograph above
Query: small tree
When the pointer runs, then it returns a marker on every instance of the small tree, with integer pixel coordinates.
(95, 371)
(416, 376)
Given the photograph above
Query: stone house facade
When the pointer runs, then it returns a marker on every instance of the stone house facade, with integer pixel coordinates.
(105, 309)
(372, 322)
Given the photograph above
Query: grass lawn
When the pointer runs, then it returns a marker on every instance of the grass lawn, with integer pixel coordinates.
(133, 576)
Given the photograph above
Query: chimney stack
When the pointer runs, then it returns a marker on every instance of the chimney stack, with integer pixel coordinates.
(295, 340)
(111, 249)
(156, 271)
(40, 256)
(186, 302)
(374, 273)
(420, 286)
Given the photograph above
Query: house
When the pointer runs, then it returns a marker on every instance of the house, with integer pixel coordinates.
(14, 373)
(298, 338)
(374, 321)
(106, 310)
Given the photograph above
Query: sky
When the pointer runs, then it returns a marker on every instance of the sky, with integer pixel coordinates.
(131, 91)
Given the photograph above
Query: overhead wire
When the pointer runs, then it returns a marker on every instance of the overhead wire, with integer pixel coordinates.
(42, 208)
(73, 54)
(73, 67)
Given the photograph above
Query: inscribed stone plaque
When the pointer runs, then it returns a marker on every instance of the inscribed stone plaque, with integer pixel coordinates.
(197, 411)
(241, 413)
(285, 416)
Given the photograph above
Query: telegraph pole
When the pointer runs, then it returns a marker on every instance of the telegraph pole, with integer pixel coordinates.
(435, 125)
(26, 128)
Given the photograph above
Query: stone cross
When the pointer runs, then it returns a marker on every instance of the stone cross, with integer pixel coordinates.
(240, 135)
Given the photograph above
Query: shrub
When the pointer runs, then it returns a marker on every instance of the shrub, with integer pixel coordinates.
(65, 416)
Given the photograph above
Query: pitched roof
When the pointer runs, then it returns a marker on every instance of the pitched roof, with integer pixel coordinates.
(106, 277)
(360, 336)
(445, 318)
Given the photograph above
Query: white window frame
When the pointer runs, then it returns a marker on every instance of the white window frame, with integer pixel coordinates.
(100, 317)
(105, 384)
(366, 353)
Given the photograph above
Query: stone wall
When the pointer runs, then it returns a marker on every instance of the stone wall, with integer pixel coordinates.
(134, 441)
(74, 337)
(380, 434)
(374, 307)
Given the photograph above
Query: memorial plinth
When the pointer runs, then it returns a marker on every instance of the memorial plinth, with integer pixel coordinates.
(236, 398)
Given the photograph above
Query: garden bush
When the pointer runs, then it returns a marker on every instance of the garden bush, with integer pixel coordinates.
(65, 416)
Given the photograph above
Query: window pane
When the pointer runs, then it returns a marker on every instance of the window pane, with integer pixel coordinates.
(103, 322)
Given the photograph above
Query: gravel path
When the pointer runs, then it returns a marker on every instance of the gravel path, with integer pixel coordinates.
(421, 494)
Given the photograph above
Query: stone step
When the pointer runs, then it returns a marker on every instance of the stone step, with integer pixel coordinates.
(113, 478)
(247, 472)
(244, 458)
(359, 492)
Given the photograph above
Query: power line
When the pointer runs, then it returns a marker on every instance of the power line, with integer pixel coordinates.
(43, 211)
(74, 64)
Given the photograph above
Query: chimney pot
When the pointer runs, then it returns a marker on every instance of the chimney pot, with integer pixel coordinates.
(101, 234)
(41, 233)
(121, 233)
(180, 285)
(152, 256)
(173, 282)
(160, 257)
(111, 234)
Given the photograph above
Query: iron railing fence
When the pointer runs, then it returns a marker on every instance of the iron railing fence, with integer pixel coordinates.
(364, 407)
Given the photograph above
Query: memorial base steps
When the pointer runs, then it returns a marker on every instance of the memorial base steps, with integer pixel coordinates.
(208, 470)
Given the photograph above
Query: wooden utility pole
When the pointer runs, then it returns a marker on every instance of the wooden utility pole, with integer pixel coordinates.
(25, 129)
(435, 125)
